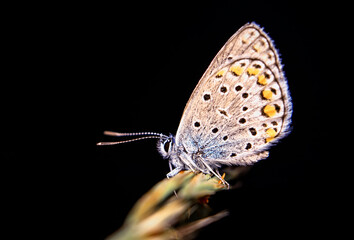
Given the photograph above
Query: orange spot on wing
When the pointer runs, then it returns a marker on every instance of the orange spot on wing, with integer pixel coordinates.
(237, 70)
(253, 71)
(271, 133)
(269, 110)
(267, 94)
(220, 73)
(262, 79)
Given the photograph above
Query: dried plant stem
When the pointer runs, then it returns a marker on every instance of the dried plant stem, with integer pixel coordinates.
(160, 214)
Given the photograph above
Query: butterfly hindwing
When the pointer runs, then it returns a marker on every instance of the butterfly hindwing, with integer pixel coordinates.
(241, 104)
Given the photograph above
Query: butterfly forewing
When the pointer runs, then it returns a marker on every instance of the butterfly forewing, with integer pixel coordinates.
(241, 105)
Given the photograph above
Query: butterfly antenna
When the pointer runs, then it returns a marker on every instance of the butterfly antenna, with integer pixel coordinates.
(146, 135)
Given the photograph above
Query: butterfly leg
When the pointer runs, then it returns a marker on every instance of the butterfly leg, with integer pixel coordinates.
(174, 172)
(217, 174)
(170, 165)
(171, 170)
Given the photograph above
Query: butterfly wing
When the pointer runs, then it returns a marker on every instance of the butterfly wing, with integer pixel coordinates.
(241, 105)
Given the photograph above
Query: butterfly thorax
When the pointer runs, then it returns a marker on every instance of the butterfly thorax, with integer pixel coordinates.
(180, 158)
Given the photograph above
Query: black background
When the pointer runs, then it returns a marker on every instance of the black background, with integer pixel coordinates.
(75, 71)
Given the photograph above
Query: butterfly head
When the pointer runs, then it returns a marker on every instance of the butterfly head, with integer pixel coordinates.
(166, 145)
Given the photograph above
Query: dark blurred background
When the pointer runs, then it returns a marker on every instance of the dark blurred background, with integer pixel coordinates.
(75, 71)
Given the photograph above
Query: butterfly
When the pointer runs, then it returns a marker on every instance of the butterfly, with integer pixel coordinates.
(240, 108)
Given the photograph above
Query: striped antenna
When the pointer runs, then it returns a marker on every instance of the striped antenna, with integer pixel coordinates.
(146, 135)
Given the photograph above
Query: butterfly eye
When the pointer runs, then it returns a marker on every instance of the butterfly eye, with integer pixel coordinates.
(166, 146)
